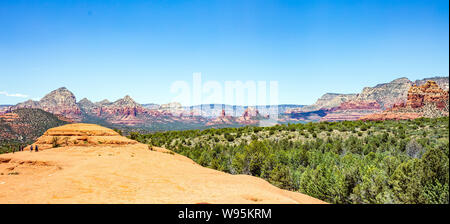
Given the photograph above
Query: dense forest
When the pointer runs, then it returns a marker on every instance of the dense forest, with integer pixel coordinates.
(338, 162)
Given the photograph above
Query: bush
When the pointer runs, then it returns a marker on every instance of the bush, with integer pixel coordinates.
(55, 142)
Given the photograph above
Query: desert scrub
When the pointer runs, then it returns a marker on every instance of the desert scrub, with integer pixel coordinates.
(169, 152)
(357, 162)
(55, 142)
(66, 141)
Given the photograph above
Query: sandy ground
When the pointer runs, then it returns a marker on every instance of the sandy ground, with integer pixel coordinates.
(127, 174)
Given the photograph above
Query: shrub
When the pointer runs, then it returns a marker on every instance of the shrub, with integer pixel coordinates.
(392, 163)
(55, 142)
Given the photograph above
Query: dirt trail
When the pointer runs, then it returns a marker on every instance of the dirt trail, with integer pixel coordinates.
(127, 173)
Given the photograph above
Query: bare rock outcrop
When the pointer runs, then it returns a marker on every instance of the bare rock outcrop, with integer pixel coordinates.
(442, 82)
(124, 111)
(81, 135)
(352, 110)
(327, 101)
(87, 105)
(429, 92)
(387, 94)
(222, 119)
(60, 102)
(395, 94)
(427, 100)
(250, 116)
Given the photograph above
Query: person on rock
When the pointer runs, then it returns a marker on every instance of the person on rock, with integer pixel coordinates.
(31, 148)
(36, 148)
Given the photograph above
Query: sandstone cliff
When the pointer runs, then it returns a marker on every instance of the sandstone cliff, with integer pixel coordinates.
(352, 110)
(373, 100)
(387, 94)
(442, 82)
(427, 100)
(429, 92)
(327, 101)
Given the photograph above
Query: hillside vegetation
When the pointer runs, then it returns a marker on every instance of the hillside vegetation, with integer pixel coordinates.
(339, 162)
(29, 125)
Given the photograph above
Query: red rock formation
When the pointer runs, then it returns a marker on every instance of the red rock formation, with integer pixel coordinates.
(9, 117)
(222, 119)
(417, 105)
(352, 110)
(391, 116)
(358, 105)
(430, 92)
(124, 111)
(60, 102)
(250, 112)
(223, 113)
(250, 116)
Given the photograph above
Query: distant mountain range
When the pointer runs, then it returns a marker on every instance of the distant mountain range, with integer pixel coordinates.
(4, 108)
(215, 110)
(126, 112)
(372, 100)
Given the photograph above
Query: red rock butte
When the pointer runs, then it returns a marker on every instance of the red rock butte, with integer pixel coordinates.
(94, 164)
(430, 92)
(417, 99)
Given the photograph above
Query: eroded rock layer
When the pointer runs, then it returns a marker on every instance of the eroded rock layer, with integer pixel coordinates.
(427, 100)
(81, 135)
(429, 92)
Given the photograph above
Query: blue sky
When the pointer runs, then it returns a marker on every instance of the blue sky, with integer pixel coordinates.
(107, 50)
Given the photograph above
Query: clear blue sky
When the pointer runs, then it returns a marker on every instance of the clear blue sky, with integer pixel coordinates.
(107, 50)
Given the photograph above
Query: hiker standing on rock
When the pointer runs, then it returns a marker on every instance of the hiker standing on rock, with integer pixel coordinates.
(36, 148)
(31, 148)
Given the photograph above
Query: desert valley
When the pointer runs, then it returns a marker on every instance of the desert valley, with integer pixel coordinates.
(86, 163)
(399, 99)
(197, 108)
